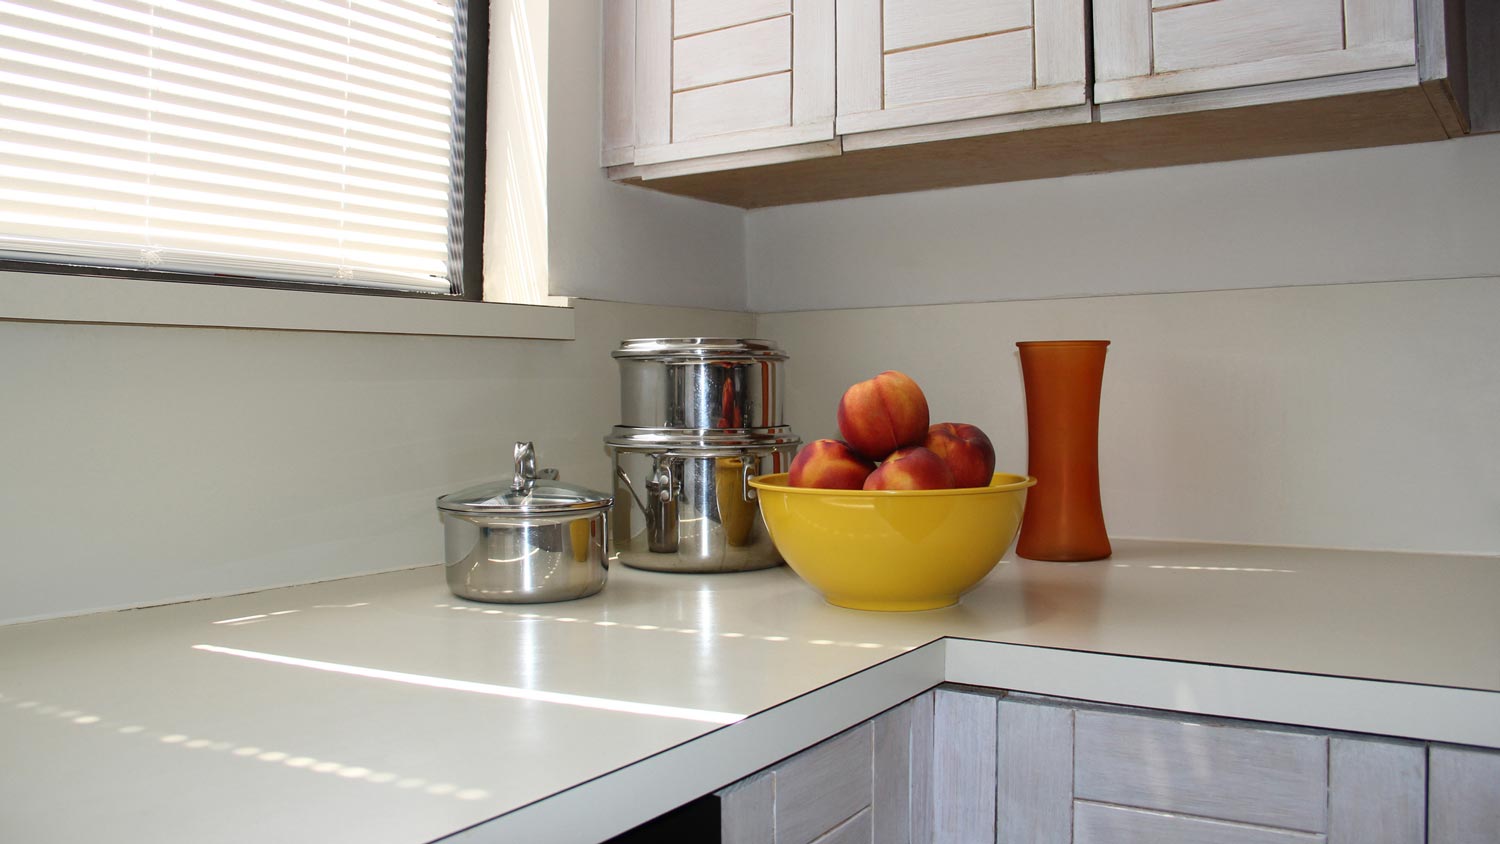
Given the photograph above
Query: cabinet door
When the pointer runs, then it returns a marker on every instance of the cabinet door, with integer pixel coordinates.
(1155, 48)
(727, 76)
(914, 62)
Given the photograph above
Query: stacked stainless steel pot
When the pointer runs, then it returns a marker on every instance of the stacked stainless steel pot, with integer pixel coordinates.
(699, 418)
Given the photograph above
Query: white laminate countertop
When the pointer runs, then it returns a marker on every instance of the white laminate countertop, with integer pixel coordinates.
(383, 709)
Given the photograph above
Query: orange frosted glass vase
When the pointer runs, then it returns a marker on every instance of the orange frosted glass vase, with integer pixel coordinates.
(1064, 520)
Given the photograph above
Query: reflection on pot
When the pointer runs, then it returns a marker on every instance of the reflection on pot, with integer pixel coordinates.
(690, 512)
(736, 513)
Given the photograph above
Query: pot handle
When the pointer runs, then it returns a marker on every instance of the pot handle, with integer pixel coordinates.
(748, 466)
(662, 476)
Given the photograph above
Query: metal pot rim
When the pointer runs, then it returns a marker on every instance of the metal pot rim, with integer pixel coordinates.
(698, 348)
(630, 438)
(501, 518)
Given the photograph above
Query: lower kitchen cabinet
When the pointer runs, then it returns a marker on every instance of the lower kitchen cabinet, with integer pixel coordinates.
(957, 765)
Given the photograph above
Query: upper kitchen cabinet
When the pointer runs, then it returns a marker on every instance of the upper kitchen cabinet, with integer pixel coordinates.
(1164, 56)
(714, 79)
(920, 63)
(773, 102)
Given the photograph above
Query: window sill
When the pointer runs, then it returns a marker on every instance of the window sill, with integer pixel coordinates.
(97, 299)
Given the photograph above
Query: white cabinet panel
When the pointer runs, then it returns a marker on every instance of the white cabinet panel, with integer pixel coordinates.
(1377, 791)
(694, 16)
(822, 794)
(891, 769)
(907, 63)
(739, 52)
(1235, 31)
(1238, 773)
(1094, 823)
(857, 830)
(967, 68)
(747, 810)
(1170, 47)
(910, 23)
(820, 788)
(732, 107)
(963, 768)
(1463, 793)
(618, 60)
(715, 78)
(922, 797)
(1034, 769)
(653, 74)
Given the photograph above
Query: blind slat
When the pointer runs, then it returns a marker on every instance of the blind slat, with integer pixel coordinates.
(47, 45)
(306, 140)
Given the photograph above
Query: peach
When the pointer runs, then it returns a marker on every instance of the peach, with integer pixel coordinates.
(967, 451)
(885, 413)
(829, 464)
(911, 468)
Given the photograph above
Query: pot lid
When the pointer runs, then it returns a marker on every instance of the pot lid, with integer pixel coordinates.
(698, 347)
(529, 492)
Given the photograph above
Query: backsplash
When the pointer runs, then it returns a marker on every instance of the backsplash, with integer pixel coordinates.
(1350, 416)
(144, 465)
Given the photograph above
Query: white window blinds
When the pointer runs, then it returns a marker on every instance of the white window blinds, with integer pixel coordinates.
(301, 140)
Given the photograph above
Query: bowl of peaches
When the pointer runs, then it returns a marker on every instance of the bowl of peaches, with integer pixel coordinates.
(899, 514)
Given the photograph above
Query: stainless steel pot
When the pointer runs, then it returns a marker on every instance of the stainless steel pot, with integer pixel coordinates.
(685, 383)
(688, 509)
(528, 540)
(699, 418)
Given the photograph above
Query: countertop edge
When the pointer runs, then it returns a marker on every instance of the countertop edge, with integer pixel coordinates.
(622, 799)
(627, 797)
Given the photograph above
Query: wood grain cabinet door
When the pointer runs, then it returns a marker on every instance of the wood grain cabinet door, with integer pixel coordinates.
(714, 77)
(907, 63)
(1158, 48)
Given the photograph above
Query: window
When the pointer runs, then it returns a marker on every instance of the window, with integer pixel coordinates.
(329, 143)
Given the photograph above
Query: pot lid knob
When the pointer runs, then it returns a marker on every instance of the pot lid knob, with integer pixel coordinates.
(525, 467)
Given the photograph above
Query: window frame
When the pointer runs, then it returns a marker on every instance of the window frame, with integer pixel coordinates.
(467, 174)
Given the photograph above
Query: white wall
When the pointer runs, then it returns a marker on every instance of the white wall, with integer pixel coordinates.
(610, 241)
(141, 465)
(1294, 406)
(1357, 415)
(1393, 213)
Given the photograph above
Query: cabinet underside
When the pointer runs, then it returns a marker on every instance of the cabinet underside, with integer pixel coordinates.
(1366, 119)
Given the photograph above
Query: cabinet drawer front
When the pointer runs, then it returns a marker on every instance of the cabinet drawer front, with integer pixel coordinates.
(1096, 824)
(820, 788)
(739, 52)
(1223, 32)
(1236, 773)
(733, 107)
(693, 16)
(910, 23)
(969, 68)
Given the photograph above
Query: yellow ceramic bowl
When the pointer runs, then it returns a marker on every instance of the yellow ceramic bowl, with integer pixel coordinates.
(892, 550)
